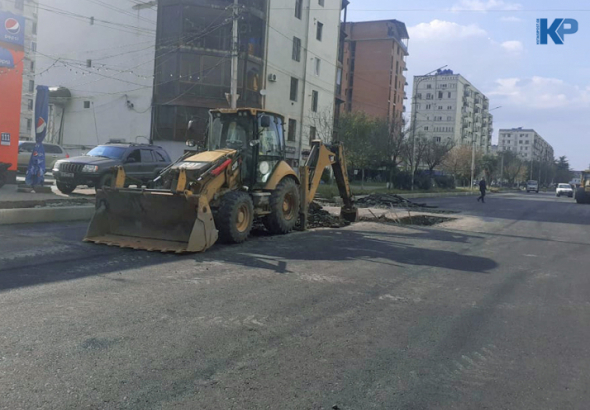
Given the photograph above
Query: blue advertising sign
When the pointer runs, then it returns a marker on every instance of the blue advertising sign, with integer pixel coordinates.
(12, 29)
(6, 58)
(36, 170)
(556, 31)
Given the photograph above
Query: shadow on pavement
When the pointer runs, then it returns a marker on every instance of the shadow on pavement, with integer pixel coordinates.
(349, 245)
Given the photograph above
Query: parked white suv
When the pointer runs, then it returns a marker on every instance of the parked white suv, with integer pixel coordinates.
(532, 186)
(564, 189)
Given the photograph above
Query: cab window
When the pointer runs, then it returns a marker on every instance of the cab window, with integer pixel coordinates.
(270, 143)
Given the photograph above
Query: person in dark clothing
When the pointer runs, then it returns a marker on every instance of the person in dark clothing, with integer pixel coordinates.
(482, 189)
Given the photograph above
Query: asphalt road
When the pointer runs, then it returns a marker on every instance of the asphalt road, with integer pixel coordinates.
(488, 312)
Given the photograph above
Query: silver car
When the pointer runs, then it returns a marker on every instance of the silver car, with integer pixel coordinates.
(564, 189)
(53, 152)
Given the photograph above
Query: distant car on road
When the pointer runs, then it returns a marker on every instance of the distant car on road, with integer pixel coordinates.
(564, 189)
(53, 153)
(532, 186)
(142, 162)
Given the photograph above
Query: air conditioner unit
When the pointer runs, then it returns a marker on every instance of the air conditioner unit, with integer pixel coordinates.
(272, 77)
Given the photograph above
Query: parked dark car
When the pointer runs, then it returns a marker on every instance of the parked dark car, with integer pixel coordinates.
(95, 169)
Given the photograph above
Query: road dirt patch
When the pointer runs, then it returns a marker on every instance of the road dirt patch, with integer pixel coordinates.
(45, 203)
(420, 220)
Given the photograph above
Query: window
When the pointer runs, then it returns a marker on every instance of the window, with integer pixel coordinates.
(429, 96)
(520, 141)
(30, 105)
(136, 155)
(159, 157)
(86, 104)
(428, 86)
(442, 86)
(526, 142)
(440, 94)
(312, 134)
(52, 149)
(298, 7)
(419, 96)
(146, 155)
(449, 118)
(314, 101)
(88, 63)
(19, 4)
(34, 28)
(426, 128)
(292, 130)
(296, 55)
(428, 106)
(321, 3)
(294, 86)
(440, 107)
(318, 34)
(31, 86)
(33, 46)
(437, 139)
(29, 124)
(316, 66)
(92, 21)
(449, 94)
(32, 66)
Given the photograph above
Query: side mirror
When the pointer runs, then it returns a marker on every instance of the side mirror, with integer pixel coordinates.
(192, 125)
(191, 143)
(130, 160)
(254, 143)
(265, 121)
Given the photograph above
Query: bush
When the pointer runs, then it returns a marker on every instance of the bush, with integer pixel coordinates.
(444, 181)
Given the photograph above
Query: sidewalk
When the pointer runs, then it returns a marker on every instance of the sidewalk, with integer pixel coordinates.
(20, 207)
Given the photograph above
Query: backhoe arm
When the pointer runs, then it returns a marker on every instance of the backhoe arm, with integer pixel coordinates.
(321, 157)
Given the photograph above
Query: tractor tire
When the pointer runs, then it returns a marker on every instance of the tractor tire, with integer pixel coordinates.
(2, 180)
(235, 217)
(105, 180)
(284, 208)
(65, 188)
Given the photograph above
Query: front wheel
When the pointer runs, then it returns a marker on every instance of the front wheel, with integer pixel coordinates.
(284, 208)
(65, 188)
(235, 217)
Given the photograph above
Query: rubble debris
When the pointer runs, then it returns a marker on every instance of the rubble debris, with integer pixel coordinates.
(320, 218)
(388, 201)
(421, 220)
(46, 203)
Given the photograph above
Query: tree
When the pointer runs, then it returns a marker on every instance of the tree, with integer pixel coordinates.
(458, 163)
(389, 145)
(413, 151)
(357, 132)
(514, 167)
(435, 152)
(322, 122)
(563, 172)
(490, 167)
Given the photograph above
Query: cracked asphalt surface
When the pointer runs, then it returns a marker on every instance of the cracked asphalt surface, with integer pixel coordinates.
(487, 312)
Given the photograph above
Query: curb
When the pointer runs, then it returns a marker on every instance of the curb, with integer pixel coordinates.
(36, 215)
(438, 194)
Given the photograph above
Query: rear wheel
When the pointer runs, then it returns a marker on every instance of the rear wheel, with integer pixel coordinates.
(234, 217)
(65, 188)
(284, 208)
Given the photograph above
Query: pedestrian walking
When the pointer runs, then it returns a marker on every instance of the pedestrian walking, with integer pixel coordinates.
(482, 189)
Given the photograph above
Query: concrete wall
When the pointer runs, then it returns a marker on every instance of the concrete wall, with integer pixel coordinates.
(119, 40)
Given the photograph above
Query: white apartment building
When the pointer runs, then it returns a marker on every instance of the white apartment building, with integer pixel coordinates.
(98, 60)
(525, 142)
(447, 106)
(29, 10)
(301, 68)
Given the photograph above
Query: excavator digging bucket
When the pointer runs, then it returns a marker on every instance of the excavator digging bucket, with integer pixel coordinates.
(152, 220)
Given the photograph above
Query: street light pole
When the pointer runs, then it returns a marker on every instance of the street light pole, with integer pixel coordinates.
(414, 98)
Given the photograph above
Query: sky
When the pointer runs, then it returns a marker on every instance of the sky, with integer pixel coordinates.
(493, 44)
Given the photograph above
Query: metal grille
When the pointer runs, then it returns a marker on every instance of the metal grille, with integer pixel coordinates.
(70, 167)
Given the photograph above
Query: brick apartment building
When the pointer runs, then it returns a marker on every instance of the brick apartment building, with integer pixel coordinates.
(374, 65)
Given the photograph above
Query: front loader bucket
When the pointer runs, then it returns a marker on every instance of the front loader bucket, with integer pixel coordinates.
(152, 220)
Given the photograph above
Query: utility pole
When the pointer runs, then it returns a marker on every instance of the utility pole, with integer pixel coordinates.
(472, 160)
(233, 95)
(502, 169)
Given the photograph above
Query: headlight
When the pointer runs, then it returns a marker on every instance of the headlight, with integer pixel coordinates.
(264, 167)
(56, 166)
(90, 168)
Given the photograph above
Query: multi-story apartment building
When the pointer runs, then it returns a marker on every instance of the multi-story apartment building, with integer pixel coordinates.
(525, 142)
(29, 10)
(374, 63)
(447, 106)
(287, 63)
(100, 70)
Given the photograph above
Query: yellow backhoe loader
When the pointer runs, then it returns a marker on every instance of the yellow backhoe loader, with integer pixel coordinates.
(582, 194)
(218, 193)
